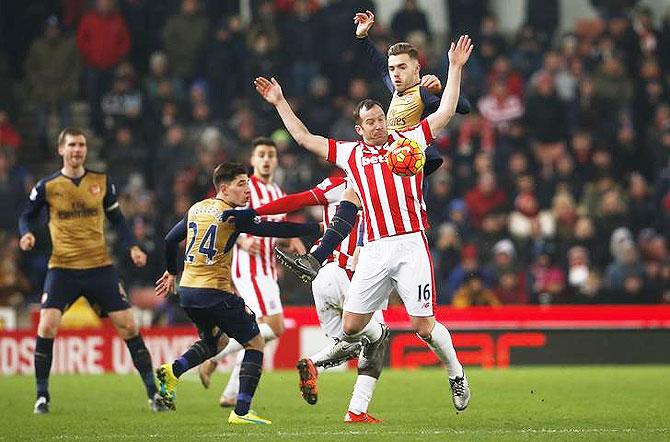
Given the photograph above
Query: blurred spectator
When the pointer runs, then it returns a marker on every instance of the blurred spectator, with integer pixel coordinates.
(12, 193)
(226, 53)
(160, 84)
(14, 286)
(547, 279)
(625, 280)
(103, 40)
(640, 204)
(408, 19)
(184, 38)
(545, 117)
(446, 254)
(126, 156)
(527, 213)
(123, 104)
(484, 198)
(9, 136)
(473, 293)
(469, 263)
(583, 282)
(52, 70)
(301, 51)
(500, 107)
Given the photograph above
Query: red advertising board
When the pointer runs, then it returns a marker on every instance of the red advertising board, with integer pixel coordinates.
(483, 336)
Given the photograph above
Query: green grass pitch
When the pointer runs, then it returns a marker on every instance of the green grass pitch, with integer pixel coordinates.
(601, 403)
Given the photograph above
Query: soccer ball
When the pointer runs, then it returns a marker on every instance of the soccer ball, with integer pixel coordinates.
(405, 157)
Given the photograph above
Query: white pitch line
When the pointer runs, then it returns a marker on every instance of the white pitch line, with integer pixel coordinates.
(381, 432)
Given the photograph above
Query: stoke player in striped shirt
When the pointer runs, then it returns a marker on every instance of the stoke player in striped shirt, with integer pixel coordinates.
(329, 289)
(253, 268)
(396, 254)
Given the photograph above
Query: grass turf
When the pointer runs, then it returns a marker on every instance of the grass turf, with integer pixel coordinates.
(540, 403)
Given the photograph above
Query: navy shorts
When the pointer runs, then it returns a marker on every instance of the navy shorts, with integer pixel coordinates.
(229, 315)
(100, 286)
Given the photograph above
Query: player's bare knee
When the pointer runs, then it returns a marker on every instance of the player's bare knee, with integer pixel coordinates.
(278, 329)
(47, 331)
(49, 323)
(125, 325)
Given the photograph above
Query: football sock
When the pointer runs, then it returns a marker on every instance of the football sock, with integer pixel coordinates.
(196, 355)
(233, 385)
(43, 357)
(234, 346)
(373, 331)
(363, 389)
(142, 361)
(250, 374)
(440, 343)
(338, 229)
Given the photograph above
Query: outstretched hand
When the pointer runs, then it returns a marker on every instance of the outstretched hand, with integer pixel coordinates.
(364, 22)
(431, 83)
(270, 90)
(165, 285)
(460, 51)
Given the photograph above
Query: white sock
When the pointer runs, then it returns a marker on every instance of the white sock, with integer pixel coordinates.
(266, 332)
(440, 343)
(233, 385)
(373, 331)
(363, 389)
(232, 347)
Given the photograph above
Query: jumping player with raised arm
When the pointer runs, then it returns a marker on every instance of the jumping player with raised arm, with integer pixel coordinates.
(206, 290)
(414, 96)
(78, 200)
(329, 290)
(396, 253)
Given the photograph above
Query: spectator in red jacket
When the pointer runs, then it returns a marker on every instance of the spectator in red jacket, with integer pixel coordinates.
(103, 40)
(484, 198)
(9, 137)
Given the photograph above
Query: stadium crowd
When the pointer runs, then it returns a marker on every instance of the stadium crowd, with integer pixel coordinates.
(555, 188)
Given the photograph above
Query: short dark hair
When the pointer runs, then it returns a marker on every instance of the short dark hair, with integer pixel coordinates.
(404, 48)
(226, 172)
(366, 104)
(72, 131)
(262, 141)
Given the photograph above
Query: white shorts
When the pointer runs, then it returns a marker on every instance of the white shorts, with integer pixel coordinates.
(402, 262)
(330, 289)
(260, 293)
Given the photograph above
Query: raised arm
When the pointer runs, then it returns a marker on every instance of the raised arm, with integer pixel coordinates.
(459, 53)
(271, 91)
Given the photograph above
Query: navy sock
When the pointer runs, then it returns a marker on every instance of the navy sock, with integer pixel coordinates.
(338, 229)
(199, 352)
(43, 357)
(142, 361)
(250, 374)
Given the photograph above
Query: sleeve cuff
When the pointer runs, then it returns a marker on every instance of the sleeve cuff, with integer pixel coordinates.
(332, 151)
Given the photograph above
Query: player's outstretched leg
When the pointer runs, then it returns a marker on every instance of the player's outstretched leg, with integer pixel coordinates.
(250, 375)
(168, 374)
(369, 370)
(43, 358)
(142, 361)
(439, 340)
(307, 266)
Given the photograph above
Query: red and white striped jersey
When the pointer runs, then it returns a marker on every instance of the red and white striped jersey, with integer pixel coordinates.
(329, 194)
(392, 205)
(262, 264)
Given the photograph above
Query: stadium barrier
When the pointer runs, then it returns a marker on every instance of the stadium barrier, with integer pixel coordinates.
(484, 336)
